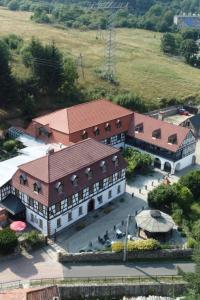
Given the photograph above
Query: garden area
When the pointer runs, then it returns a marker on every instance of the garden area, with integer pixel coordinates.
(182, 201)
(14, 242)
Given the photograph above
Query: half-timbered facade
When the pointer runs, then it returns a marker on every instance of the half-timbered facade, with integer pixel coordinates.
(172, 146)
(64, 186)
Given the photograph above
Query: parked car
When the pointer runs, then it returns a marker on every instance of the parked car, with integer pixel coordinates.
(108, 243)
(119, 234)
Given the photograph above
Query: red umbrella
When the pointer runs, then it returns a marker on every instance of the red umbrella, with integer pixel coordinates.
(17, 226)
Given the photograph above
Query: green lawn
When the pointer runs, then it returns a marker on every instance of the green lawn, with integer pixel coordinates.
(140, 65)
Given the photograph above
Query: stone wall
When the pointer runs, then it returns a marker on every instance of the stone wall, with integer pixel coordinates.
(116, 291)
(131, 256)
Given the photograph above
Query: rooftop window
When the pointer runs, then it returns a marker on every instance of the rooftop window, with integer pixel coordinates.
(118, 123)
(139, 128)
(37, 187)
(172, 139)
(88, 172)
(96, 131)
(103, 166)
(74, 180)
(59, 187)
(107, 127)
(156, 134)
(115, 160)
(23, 178)
(84, 135)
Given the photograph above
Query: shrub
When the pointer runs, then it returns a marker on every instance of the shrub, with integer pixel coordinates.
(80, 226)
(33, 239)
(149, 244)
(10, 145)
(191, 243)
(8, 241)
(13, 5)
(107, 210)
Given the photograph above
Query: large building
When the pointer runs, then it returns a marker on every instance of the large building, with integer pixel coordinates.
(187, 21)
(101, 119)
(58, 189)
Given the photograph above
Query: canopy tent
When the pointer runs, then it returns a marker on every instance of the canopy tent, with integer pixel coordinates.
(154, 221)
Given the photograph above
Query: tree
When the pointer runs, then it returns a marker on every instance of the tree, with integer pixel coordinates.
(196, 230)
(192, 181)
(7, 82)
(188, 48)
(168, 43)
(13, 5)
(192, 34)
(8, 241)
(131, 101)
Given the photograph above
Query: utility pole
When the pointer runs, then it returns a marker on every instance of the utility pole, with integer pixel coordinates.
(126, 239)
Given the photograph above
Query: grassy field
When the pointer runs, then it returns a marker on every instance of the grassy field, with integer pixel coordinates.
(140, 65)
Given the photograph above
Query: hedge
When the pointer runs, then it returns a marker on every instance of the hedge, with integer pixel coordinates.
(149, 244)
(8, 241)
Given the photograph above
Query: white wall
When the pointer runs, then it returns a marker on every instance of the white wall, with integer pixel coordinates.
(36, 222)
(75, 210)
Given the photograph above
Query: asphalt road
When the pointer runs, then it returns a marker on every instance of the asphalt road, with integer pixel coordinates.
(41, 265)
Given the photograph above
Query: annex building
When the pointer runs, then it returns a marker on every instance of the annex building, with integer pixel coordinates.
(87, 170)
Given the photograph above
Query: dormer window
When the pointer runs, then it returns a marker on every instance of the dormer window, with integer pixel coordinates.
(115, 160)
(118, 123)
(84, 135)
(107, 127)
(96, 131)
(103, 166)
(59, 187)
(88, 172)
(172, 139)
(23, 179)
(37, 187)
(156, 134)
(74, 180)
(139, 128)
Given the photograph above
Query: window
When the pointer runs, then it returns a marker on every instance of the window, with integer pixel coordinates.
(59, 187)
(108, 141)
(109, 194)
(80, 210)
(32, 218)
(74, 180)
(101, 184)
(119, 175)
(103, 166)
(30, 201)
(23, 179)
(91, 189)
(139, 128)
(110, 180)
(37, 187)
(40, 223)
(172, 139)
(69, 201)
(119, 137)
(100, 199)
(115, 160)
(40, 207)
(80, 195)
(156, 134)
(69, 216)
(96, 131)
(107, 127)
(118, 123)
(88, 172)
(58, 207)
(58, 223)
(84, 135)
(119, 189)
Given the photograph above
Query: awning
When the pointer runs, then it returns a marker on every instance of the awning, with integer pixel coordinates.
(13, 204)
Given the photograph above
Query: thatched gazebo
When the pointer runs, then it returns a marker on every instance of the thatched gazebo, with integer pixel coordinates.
(154, 224)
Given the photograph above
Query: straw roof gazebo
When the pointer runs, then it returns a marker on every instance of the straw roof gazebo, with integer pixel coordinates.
(154, 223)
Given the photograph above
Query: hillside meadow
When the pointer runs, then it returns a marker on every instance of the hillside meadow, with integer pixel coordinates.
(140, 65)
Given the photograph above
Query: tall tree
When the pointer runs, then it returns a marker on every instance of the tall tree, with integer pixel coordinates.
(7, 82)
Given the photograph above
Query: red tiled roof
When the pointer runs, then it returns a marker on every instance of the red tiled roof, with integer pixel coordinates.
(59, 164)
(46, 293)
(82, 116)
(150, 124)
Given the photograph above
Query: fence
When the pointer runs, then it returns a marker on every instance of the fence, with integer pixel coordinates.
(137, 280)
